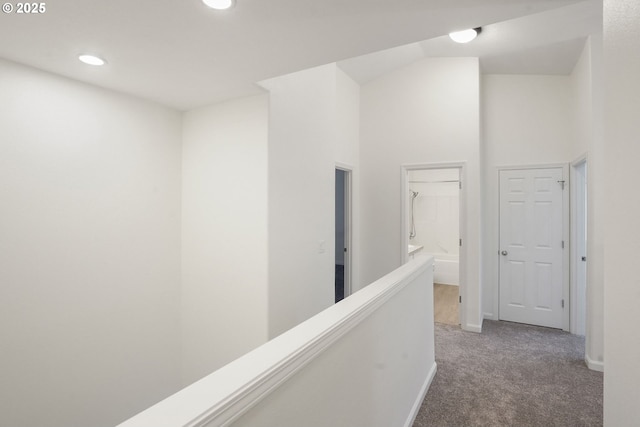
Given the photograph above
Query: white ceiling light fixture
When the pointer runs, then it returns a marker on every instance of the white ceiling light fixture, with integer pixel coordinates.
(91, 59)
(219, 4)
(465, 36)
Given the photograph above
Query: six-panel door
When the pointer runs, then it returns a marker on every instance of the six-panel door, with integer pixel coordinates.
(531, 246)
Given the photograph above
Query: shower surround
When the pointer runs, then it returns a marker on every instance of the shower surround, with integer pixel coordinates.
(436, 219)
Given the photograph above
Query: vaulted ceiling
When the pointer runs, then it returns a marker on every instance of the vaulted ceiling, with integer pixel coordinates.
(184, 55)
(548, 42)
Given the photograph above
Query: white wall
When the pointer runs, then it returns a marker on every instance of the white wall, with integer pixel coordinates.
(527, 120)
(224, 233)
(427, 112)
(586, 104)
(347, 154)
(89, 252)
(580, 88)
(622, 210)
(306, 139)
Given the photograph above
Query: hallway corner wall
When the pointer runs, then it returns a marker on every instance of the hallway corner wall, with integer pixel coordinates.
(621, 44)
(312, 126)
(224, 233)
(89, 253)
(427, 112)
(587, 105)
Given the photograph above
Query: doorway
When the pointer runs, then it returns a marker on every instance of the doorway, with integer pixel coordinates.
(433, 206)
(342, 281)
(533, 246)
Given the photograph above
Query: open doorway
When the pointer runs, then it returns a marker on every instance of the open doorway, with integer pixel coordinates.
(433, 206)
(342, 282)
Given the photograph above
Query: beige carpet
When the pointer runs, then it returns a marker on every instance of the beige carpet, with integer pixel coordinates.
(445, 304)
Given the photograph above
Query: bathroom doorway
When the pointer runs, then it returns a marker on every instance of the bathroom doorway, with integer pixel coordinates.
(342, 282)
(433, 226)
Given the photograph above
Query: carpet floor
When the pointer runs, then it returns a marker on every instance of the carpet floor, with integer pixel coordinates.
(511, 375)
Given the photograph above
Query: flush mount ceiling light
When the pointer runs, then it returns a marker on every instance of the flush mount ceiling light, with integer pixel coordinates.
(465, 36)
(91, 59)
(219, 4)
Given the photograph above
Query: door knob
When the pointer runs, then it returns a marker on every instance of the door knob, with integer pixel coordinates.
(505, 253)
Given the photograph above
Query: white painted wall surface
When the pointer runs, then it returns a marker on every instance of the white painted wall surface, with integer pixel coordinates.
(224, 233)
(597, 199)
(580, 91)
(347, 154)
(527, 120)
(622, 241)
(427, 112)
(89, 252)
(301, 168)
(586, 104)
(313, 127)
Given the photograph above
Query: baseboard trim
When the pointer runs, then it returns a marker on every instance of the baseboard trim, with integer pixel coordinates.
(489, 316)
(472, 328)
(594, 365)
(423, 392)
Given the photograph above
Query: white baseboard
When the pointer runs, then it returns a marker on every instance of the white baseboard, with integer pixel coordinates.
(490, 316)
(472, 328)
(594, 365)
(423, 392)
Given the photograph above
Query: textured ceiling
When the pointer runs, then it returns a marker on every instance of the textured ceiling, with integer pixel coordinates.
(181, 54)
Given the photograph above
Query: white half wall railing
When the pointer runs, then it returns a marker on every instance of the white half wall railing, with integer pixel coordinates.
(365, 361)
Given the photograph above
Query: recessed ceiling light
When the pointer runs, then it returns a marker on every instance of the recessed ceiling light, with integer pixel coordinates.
(465, 36)
(219, 4)
(91, 59)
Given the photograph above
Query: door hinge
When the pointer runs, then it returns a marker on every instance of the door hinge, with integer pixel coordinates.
(562, 184)
(460, 185)
(562, 303)
(563, 244)
(460, 242)
(460, 299)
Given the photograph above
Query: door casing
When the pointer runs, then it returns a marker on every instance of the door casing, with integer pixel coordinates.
(579, 182)
(348, 226)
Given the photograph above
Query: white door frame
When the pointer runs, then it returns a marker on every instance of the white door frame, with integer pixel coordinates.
(578, 190)
(566, 235)
(348, 226)
(404, 230)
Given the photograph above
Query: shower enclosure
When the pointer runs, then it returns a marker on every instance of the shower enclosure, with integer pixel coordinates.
(434, 219)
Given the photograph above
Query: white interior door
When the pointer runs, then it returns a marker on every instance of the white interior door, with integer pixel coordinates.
(531, 246)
